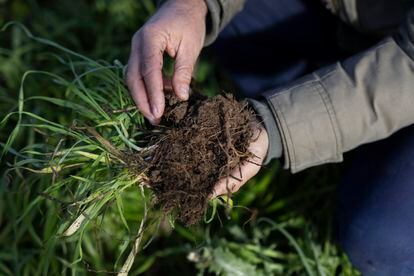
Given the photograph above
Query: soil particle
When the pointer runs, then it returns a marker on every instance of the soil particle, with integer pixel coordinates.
(204, 139)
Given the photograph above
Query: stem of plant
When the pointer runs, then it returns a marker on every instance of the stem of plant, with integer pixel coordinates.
(131, 257)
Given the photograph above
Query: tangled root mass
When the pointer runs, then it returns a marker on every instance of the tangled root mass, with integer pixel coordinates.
(204, 140)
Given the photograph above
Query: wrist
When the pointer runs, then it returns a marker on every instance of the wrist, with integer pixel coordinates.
(201, 6)
(275, 147)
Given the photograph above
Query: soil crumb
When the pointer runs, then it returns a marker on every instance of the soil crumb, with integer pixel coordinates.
(204, 139)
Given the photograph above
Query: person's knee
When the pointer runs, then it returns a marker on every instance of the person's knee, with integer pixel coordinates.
(376, 250)
(375, 208)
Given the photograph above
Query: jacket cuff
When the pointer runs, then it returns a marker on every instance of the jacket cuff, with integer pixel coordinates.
(212, 21)
(307, 123)
(275, 142)
(220, 12)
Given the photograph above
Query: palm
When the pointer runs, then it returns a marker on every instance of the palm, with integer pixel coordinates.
(248, 168)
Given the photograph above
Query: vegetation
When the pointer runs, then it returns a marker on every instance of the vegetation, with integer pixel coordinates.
(68, 203)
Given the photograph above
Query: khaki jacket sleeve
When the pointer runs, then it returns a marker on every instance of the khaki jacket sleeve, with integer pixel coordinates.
(220, 12)
(360, 100)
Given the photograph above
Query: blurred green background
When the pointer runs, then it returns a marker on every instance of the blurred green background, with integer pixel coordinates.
(281, 224)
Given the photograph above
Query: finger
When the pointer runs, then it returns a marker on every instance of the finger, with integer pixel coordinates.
(232, 185)
(136, 85)
(151, 71)
(183, 70)
(141, 100)
(247, 169)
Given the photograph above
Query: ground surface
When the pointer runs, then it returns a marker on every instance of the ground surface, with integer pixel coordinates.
(281, 224)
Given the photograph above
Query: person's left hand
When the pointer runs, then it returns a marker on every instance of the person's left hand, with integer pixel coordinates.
(258, 148)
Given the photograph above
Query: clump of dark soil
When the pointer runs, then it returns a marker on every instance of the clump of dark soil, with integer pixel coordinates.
(204, 139)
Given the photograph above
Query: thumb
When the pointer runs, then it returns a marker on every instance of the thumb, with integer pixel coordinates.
(183, 70)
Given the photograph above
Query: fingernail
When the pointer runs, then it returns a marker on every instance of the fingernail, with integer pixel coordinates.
(153, 121)
(155, 111)
(183, 92)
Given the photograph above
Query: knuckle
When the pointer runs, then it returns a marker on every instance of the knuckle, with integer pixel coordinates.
(135, 40)
(184, 72)
(150, 65)
(149, 28)
(149, 69)
(152, 32)
(146, 32)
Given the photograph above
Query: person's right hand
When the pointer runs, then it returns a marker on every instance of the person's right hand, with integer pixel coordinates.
(177, 28)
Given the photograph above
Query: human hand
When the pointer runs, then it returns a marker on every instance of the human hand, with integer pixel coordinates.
(177, 28)
(248, 168)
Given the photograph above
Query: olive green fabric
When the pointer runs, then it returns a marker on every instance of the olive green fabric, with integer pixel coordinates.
(370, 16)
(220, 12)
(360, 100)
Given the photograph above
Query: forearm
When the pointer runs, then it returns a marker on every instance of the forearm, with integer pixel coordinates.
(363, 99)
